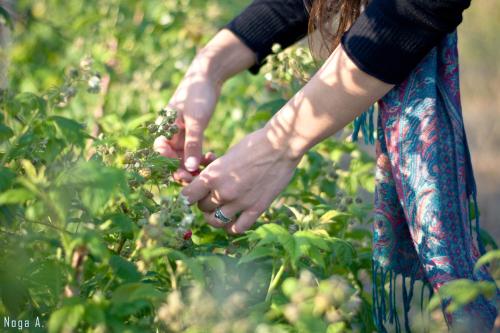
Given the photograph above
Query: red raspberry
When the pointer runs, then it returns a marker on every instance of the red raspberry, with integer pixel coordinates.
(195, 173)
(187, 235)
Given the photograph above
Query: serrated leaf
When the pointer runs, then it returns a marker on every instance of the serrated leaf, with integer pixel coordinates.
(70, 130)
(309, 244)
(124, 269)
(343, 251)
(273, 234)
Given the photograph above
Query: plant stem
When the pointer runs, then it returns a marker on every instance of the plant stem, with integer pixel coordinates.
(276, 279)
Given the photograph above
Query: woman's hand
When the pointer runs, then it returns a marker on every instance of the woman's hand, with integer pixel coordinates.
(243, 182)
(195, 99)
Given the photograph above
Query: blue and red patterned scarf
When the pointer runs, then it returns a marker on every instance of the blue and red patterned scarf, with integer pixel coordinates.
(424, 184)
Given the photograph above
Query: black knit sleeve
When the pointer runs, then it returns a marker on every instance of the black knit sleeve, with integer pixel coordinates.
(265, 22)
(392, 36)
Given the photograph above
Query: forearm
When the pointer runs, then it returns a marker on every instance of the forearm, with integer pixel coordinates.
(336, 95)
(223, 57)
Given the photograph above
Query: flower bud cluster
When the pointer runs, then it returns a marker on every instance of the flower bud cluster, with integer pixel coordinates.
(165, 123)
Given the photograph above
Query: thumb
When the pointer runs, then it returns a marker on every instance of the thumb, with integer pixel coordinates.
(193, 144)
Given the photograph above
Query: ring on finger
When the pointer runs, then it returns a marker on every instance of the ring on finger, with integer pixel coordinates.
(219, 215)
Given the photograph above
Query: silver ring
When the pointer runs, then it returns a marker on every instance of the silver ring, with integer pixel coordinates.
(219, 215)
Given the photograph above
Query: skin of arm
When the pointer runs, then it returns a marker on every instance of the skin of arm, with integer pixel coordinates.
(196, 96)
(245, 181)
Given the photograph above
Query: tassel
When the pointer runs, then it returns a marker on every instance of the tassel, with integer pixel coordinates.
(365, 123)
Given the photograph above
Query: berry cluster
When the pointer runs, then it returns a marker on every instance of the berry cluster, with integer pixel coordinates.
(165, 123)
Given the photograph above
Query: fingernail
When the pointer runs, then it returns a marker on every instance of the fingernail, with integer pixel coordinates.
(191, 163)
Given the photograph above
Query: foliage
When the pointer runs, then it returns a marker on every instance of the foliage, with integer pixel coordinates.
(95, 237)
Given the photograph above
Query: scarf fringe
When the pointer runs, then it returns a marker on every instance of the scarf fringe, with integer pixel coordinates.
(365, 123)
(384, 313)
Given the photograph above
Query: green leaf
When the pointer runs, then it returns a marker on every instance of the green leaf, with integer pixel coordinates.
(129, 142)
(15, 196)
(124, 269)
(96, 183)
(309, 244)
(255, 253)
(343, 251)
(487, 258)
(5, 132)
(161, 163)
(131, 298)
(29, 102)
(132, 292)
(462, 292)
(7, 177)
(66, 319)
(70, 130)
(119, 223)
(273, 234)
(331, 215)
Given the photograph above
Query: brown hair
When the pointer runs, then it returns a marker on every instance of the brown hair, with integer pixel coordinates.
(332, 18)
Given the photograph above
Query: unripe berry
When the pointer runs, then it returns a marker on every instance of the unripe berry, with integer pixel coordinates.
(152, 128)
(174, 129)
(145, 172)
(171, 119)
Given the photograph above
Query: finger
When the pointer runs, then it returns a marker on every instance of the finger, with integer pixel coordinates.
(229, 210)
(192, 144)
(209, 203)
(182, 176)
(162, 147)
(244, 222)
(197, 190)
(213, 222)
(208, 158)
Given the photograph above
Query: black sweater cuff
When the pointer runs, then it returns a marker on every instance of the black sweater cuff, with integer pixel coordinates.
(266, 22)
(388, 40)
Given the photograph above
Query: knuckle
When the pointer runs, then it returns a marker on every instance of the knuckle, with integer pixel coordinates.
(228, 194)
(208, 179)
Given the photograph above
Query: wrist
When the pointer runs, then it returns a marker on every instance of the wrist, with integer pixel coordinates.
(223, 57)
(285, 141)
(206, 66)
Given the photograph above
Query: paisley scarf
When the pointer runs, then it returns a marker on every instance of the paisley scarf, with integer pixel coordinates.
(424, 184)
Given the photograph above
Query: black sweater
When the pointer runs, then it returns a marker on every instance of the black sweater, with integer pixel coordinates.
(387, 41)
